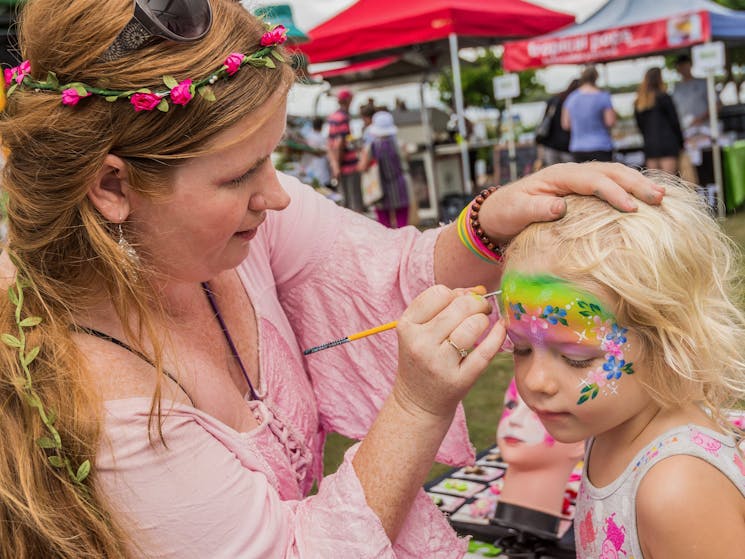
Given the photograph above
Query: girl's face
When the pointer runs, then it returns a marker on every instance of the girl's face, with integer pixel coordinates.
(218, 201)
(575, 366)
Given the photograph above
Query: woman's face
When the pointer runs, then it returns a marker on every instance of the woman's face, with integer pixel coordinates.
(218, 201)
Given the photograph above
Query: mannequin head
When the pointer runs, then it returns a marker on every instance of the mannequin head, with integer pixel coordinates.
(529, 450)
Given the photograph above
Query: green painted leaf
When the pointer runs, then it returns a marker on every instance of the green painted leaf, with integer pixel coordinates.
(10, 340)
(56, 461)
(595, 393)
(269, 63)
(582, 304)
(83, 470)
(564, 321)
(46, 442)
(583, 399)
(278, 56)
(586, 388)
(162, 106)
(594, 307)
(111, 98)
(30, 321)
(585, 313)
(170, 81)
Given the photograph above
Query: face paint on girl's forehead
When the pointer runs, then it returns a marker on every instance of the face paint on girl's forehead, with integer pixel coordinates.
(544, 308)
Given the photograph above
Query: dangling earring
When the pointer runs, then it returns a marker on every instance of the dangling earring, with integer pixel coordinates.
(127, 249)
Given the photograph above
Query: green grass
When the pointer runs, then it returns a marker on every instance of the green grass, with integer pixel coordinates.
(483, 404)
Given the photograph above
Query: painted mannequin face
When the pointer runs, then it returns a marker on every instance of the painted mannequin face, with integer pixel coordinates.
(519, 425)
(524, 441)
(573, 361)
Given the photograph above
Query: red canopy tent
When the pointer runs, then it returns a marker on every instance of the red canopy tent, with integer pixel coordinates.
(371, 29)
(375, 27)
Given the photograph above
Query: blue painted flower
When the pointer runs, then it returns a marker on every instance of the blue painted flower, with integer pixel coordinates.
(617, 334)
(613, 367)
(554, 315)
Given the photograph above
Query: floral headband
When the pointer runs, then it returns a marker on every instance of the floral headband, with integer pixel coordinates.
(145, 99)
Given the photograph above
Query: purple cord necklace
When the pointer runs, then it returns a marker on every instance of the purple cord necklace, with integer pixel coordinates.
(228, 338)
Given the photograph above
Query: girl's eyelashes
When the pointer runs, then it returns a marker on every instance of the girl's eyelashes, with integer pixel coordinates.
(520, 351)
(578, 363)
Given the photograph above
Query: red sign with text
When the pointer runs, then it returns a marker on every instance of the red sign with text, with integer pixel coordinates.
(609, 44)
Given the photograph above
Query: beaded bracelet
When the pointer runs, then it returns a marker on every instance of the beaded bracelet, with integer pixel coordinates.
(471, 233)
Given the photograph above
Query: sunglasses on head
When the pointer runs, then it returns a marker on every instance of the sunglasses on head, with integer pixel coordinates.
(181, 21)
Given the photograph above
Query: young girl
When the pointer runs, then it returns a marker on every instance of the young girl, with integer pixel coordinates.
(625, 333)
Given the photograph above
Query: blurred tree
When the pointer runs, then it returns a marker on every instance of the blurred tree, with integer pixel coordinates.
(733, 4)
(478, 87)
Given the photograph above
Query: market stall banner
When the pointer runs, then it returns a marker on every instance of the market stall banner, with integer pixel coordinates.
(610, 44)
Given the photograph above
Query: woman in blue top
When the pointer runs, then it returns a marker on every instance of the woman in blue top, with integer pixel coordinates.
(589, 114)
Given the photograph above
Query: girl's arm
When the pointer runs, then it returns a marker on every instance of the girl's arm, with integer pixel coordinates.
(687, 509)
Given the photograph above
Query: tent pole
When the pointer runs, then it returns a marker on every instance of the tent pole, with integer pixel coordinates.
(459, 109)
(716, 153)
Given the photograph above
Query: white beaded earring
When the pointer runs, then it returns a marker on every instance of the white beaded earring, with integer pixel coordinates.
(127, 249)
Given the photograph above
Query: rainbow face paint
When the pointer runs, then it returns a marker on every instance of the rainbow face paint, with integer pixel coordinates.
(546, 310)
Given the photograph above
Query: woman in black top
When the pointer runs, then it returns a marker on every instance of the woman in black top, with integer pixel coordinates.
(658, 122)
(554, 146)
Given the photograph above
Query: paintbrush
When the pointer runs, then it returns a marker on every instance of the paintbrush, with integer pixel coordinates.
(368, 332)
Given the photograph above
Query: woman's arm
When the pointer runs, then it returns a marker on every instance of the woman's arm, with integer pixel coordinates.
(566, 121)
(398, 452)
(609, 117)
(537, 198)
(365, 159)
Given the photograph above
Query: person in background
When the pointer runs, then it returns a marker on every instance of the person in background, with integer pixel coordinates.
(343, 154)
(366, 113)
(315, 164)
(393, 209)
(554, 146)
(589, 116)
(657, 120)
(692, 104)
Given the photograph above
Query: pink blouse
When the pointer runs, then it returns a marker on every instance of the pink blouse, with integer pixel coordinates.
(315, 272)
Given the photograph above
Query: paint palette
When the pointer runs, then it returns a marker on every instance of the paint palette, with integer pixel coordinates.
(478, 472)
(446, 503)
(457, 487)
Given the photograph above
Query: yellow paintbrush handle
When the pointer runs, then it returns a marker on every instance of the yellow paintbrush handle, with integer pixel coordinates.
(381, 328)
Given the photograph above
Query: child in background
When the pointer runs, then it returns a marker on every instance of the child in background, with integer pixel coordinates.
(625, 333)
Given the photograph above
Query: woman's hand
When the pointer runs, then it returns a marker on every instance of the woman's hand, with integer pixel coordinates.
(537, 197)
(432, 375)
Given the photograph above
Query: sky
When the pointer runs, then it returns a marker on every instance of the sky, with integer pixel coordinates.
(306, 101)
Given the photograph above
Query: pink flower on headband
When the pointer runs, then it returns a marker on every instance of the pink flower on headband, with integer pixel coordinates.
(233, 62)
(144, 101)
(276, 36)
(17, 72)
(71, 96)
(181, 94)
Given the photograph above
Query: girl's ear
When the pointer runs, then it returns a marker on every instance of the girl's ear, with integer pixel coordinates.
(110, 192)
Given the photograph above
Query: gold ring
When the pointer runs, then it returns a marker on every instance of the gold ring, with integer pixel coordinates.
(462, 352)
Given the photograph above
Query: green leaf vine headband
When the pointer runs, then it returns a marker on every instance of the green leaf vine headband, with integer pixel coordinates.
(145, 99)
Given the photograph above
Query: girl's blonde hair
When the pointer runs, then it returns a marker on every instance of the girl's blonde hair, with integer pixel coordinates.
(671, 273)
(62, 245)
